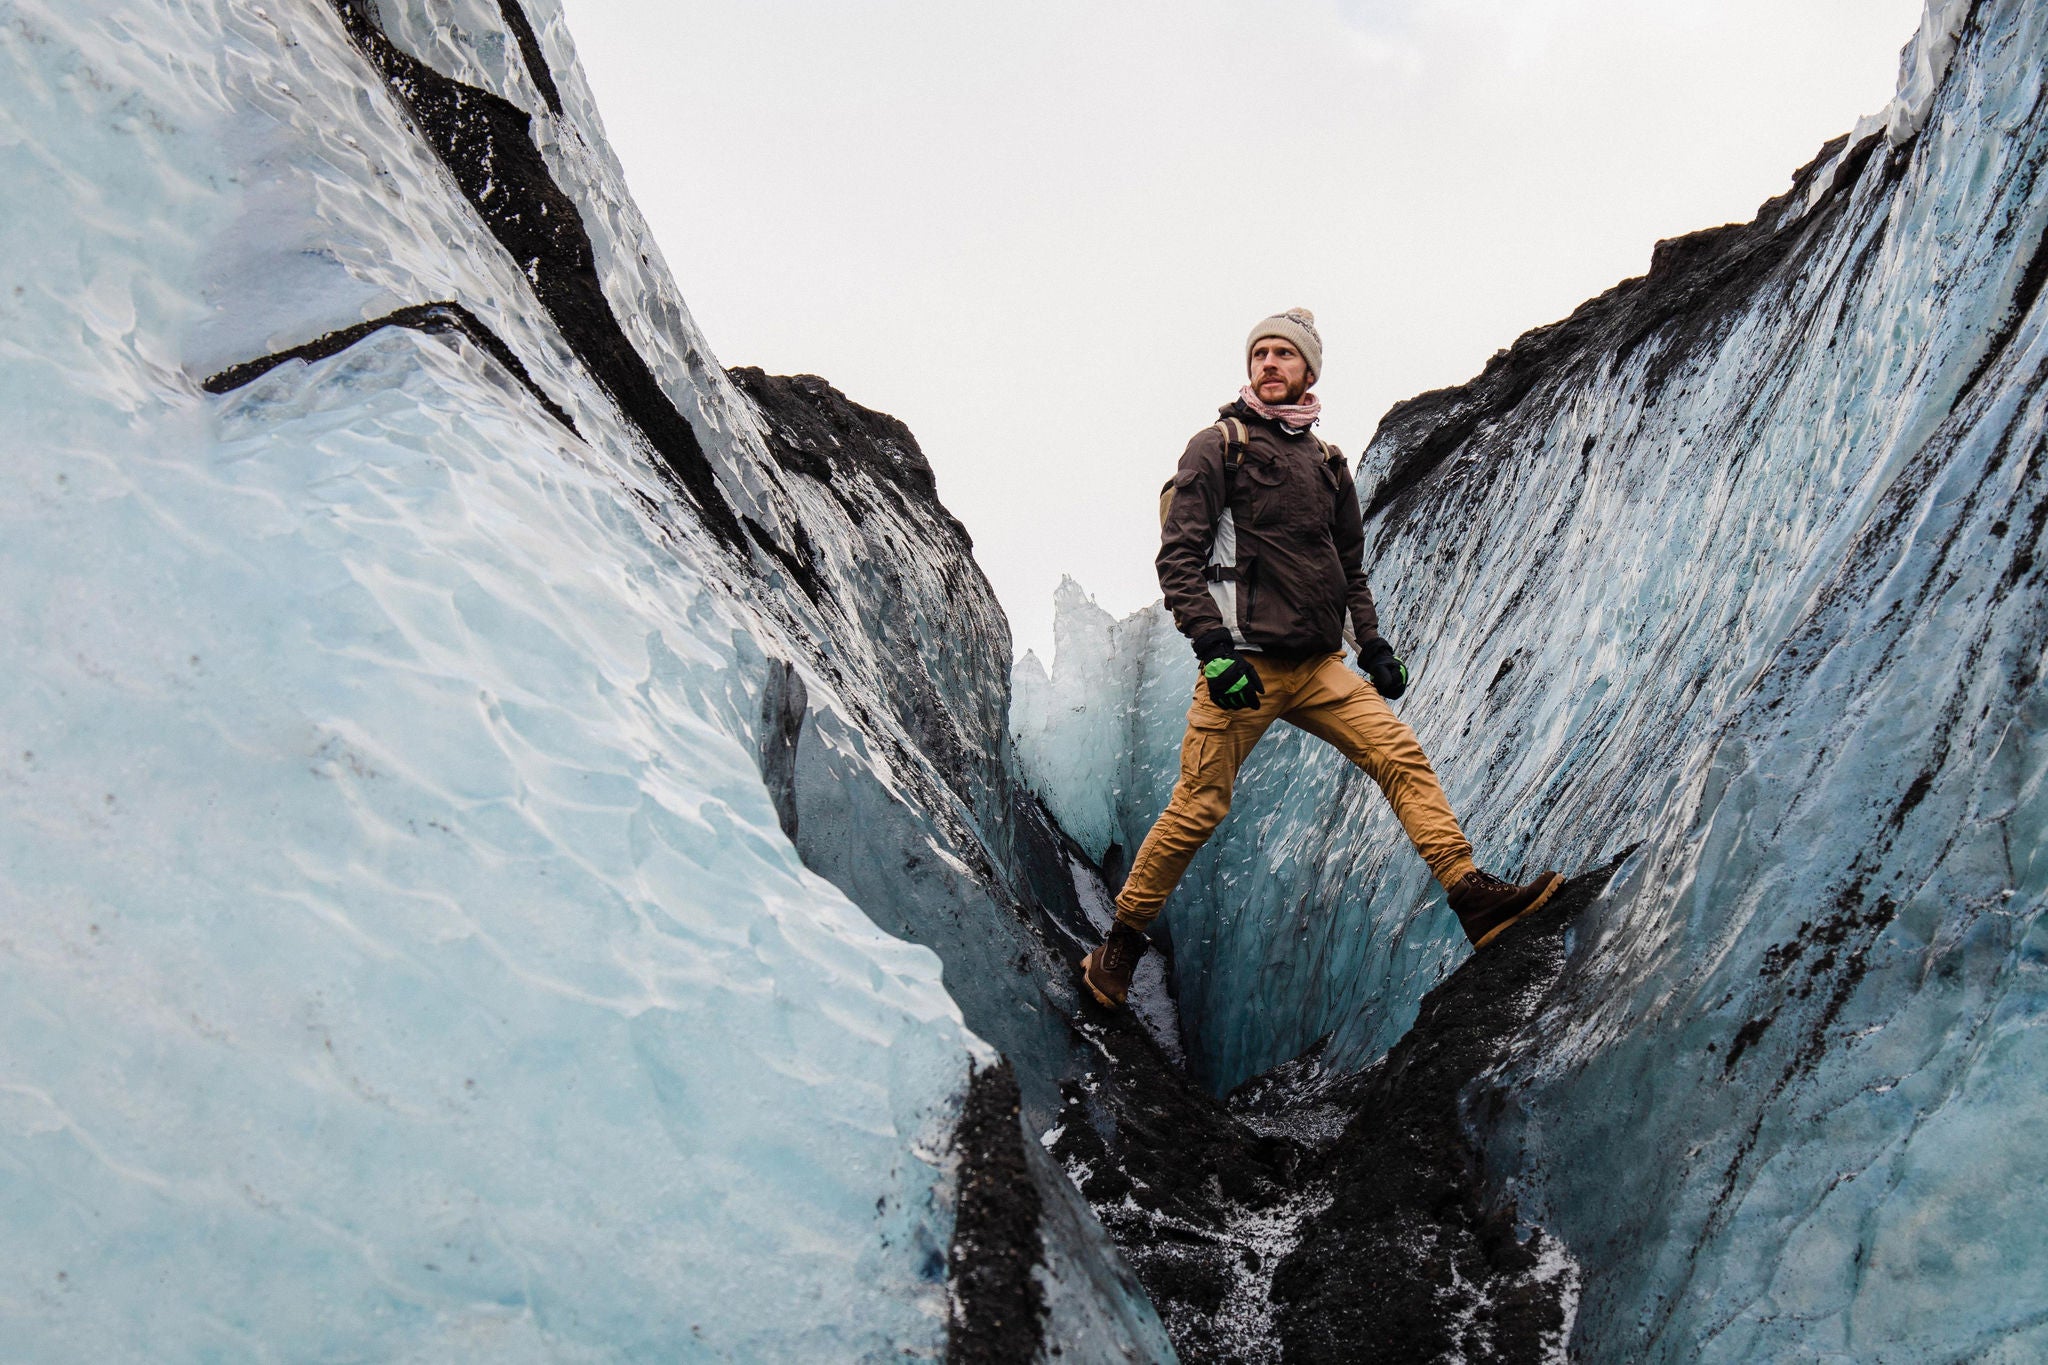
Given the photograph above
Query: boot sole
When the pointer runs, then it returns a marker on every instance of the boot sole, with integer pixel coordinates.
(1556, 880)
(1087, 965)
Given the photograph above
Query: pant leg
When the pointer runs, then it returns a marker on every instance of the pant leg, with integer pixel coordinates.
(1214, 748)
(1338, 706)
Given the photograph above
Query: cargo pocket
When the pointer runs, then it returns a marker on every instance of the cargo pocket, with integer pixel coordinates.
(1264, 492)
(1202, 748)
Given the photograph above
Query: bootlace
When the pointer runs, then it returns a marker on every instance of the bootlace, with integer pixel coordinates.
(1122, 948)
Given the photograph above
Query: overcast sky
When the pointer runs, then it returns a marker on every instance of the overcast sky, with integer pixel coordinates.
(1038, 232)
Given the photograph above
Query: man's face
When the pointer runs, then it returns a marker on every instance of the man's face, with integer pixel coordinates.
(1279, 373)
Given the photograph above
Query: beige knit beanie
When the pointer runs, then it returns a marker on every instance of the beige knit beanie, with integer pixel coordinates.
(1296, 326)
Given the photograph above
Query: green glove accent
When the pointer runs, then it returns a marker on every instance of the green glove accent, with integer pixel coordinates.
(1234, 684)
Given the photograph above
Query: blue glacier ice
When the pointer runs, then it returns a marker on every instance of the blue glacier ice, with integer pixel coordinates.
(513, 844)
(406, 955)
(1742, 567)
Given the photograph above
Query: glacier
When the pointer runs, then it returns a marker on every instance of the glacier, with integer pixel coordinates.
(1736, 576)
(522, 843)
(496, 864)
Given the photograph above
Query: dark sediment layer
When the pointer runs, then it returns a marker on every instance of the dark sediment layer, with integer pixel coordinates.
(486, 142)
(445, 315)
(1174, 1176)
(998, 1307)
(1324, 1219)
(1412, 1253)
(813, 429)
(529, 52)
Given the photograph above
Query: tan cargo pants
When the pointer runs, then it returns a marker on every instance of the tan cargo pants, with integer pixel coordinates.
(1319, 695)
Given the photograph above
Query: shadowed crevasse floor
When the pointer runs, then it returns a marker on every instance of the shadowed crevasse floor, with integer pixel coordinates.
(1322, 1218)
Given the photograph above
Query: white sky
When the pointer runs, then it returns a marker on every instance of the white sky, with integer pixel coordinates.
(1038, 232)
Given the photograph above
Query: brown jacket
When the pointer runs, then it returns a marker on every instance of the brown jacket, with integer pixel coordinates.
(1281, 552)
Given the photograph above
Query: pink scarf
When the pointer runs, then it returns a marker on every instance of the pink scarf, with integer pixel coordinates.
(1295, 417)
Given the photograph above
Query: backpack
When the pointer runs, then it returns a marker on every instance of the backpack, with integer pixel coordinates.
(1235, 438)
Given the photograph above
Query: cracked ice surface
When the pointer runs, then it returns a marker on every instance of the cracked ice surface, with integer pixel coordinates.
(1762, 587)
(401, 958)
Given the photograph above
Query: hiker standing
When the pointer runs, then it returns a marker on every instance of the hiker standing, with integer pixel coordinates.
(1261, 557)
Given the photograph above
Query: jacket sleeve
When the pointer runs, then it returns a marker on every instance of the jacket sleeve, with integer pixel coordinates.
(1198, 500)
(1347, 530)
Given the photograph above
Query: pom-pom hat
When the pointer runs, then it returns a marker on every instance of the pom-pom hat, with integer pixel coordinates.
(1297, 327)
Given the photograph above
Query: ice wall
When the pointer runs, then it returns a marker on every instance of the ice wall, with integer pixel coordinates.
(405, 956)
(1743, 561)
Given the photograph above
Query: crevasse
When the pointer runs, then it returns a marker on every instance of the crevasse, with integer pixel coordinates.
(510, 847)
(1741, 566)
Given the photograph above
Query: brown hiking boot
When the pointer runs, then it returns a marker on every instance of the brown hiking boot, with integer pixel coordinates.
(1486, 904)
(1107, 970)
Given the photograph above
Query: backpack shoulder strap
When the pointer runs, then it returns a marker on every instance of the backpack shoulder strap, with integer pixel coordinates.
(1235, 438)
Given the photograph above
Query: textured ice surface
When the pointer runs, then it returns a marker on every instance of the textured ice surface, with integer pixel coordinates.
(1923, 63)
(1747, 563)
(1072, 728)
(1098, 736)
(402, 956)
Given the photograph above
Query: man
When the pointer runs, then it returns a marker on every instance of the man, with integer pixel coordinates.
(1261, 555)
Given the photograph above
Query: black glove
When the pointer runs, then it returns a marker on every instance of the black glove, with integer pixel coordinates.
(1389, 675)
(1234, 684)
